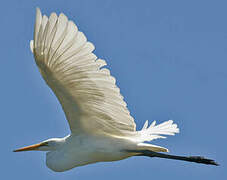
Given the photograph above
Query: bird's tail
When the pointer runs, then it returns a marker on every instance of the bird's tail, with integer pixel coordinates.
(149, 133)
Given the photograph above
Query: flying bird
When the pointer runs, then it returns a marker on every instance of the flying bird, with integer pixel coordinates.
(102, 128)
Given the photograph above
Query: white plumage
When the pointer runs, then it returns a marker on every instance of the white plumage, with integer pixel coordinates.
(101, 125)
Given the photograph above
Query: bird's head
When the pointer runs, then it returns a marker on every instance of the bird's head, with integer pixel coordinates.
(47, 145)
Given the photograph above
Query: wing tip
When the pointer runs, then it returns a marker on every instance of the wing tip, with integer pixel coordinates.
(32, 46)
(38, 11)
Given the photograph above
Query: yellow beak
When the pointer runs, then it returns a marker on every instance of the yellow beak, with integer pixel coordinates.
(30, 148)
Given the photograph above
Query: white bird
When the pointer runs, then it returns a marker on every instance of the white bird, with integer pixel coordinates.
(102, 128)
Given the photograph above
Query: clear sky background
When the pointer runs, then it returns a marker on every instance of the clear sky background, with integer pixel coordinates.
(169, 59)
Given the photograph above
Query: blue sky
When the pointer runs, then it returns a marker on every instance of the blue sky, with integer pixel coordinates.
(169, 59)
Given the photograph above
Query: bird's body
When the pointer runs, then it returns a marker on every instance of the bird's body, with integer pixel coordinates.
(102, 128)
(80, 150)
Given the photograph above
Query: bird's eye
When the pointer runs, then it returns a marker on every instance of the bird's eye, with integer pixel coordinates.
(45, 144)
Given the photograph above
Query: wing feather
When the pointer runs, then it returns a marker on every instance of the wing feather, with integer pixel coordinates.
(87, 92)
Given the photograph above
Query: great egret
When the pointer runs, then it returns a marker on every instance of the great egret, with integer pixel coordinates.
(101, 126)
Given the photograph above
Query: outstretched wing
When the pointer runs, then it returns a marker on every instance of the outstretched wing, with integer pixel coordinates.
(87, 92)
